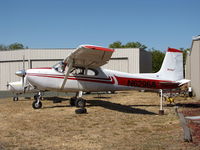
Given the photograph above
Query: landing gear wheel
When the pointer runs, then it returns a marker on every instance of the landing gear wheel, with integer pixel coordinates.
(81, 111)
(80, 102)
(72, 101)
(15, 98)
(37, 105)
(36, 97)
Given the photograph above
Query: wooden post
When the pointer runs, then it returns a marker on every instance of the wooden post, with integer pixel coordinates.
(187, 134)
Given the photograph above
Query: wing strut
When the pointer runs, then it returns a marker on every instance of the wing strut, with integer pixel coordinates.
(67, 74)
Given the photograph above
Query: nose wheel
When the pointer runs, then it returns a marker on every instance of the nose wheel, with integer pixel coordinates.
(37, 104)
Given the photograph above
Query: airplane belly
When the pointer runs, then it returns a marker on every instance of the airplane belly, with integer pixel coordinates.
(50, 83)
(98, 87)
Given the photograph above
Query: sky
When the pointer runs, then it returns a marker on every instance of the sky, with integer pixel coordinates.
(158, 24)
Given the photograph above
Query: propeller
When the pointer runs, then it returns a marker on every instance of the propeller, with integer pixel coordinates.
(22, 73)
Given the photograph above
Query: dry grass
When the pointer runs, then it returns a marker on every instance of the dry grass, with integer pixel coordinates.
(127, 120)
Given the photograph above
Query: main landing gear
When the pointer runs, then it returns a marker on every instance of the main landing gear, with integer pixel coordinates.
(37, 104)
(74, 101)
(79, 102)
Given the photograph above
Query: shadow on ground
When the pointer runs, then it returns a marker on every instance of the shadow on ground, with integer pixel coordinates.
(189, 105)
(56, 99)
(104, 104)
(118, 107)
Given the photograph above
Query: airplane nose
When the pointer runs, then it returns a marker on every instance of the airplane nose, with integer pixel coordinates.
(9, 87)
(21, 73)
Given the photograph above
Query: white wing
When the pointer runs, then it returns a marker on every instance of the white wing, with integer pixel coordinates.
(89, 56)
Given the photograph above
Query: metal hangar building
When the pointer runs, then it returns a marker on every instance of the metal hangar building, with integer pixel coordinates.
(131, 60)
(192, 67)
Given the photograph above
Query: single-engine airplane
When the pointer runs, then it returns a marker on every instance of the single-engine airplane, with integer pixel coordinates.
(81, 72)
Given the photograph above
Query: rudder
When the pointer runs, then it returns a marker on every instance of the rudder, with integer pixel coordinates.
(172, 66)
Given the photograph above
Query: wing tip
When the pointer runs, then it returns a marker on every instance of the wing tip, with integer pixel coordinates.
(98, 48)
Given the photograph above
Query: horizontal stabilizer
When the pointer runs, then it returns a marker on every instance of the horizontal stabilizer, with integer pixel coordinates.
(183, 81)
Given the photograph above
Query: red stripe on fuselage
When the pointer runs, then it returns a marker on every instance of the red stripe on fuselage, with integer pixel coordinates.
(146, 83)
(43, 68)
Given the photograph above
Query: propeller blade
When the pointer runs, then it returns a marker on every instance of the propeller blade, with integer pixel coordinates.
(23, 81)
(7, 85)
(23, 62)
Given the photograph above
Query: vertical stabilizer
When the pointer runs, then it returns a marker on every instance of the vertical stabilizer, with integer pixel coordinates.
(172, 67)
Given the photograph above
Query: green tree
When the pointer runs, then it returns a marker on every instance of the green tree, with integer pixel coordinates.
(16, 46)
(157, 59)
(116, 44)
(119, 44)
(135, 45)
(3, 47)
(185, 52)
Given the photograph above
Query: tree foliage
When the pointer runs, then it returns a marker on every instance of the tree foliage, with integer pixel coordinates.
(119, 44)
(16, 46)
(157, 59)
(185, 52)
(3, 47)
(12, 46)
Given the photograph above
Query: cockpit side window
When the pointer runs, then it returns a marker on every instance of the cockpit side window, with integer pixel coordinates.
(77, 71)
(92, 72)
(84, 71)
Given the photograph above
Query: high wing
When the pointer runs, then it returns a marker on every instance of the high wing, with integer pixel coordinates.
(89, 56)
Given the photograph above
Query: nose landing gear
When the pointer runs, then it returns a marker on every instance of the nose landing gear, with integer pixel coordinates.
(37, 104)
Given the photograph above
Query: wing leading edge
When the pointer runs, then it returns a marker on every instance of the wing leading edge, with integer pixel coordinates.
(89, 56)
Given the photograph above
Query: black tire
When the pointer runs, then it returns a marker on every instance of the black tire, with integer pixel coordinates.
(190, 94)
(80, 102)
(81, 111)
(72, 101)
(36, 97)
(36, 106)
(15, 98)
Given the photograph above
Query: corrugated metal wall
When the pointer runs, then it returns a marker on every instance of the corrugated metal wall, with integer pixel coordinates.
(132, 60)
(193, 67)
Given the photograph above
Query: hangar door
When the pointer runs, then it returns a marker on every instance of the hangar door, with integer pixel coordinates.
(118, 64)
(46, 63)
(7, 72)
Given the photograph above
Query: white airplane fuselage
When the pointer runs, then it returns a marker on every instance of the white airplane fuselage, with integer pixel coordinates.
(105, 80)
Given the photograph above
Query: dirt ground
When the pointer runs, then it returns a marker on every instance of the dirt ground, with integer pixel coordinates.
(126, 120)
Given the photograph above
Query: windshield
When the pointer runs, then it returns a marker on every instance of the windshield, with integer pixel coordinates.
(60, 67)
